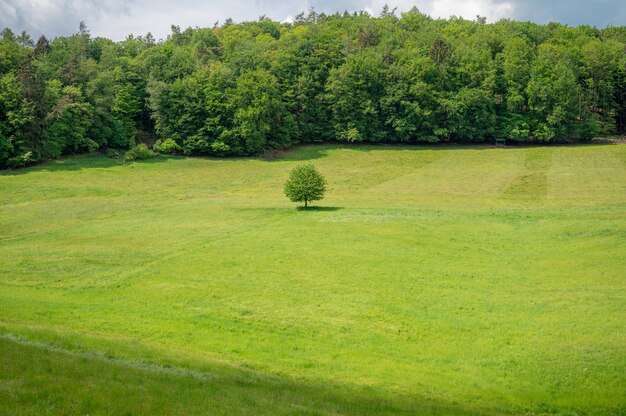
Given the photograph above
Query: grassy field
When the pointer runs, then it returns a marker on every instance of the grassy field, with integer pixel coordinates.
(428, 281)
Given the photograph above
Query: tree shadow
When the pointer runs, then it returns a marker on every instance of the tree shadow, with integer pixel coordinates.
(316, 208)
(299, 152)
(195, 389)
(312, 151)
(80, 162)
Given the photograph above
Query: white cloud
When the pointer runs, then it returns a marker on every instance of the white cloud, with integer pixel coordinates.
(118, 18)
(57, 17)
(469, 9)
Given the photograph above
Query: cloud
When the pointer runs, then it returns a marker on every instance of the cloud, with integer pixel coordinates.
(57, 17)
(492, 10)
(118, 18)
(600, 13)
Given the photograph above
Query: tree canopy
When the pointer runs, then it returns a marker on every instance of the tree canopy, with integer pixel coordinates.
(240, 89)
(305, 184)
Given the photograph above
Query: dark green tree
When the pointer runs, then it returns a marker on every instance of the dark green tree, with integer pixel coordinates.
(244, 88)
(25, 40)
(355, 91)
(42, 46)
(261, 119)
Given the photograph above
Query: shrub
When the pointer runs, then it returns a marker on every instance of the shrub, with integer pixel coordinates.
(113, 153)
(220, 148)
(518, 129)
(196, 145)
(22, 160)
(138, 152)
(167, 146)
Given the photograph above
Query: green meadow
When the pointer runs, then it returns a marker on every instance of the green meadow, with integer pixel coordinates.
(430, 280)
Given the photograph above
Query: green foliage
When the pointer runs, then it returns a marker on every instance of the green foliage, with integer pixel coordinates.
(179, 111)
(139, 152)
(126, 105)
(15, 113)
(69, 122)
(113, 153)
(469, 115)
(21, 160)
(220, 148)
(242, 89)
(518, 129)
(167, 146)
(261, 119)
(305, 184)
(355, 90)
(553, 96)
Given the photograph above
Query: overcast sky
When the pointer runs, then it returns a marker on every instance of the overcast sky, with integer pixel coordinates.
(116, 19)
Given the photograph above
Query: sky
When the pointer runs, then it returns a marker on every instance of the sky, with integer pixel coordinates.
(116, 19)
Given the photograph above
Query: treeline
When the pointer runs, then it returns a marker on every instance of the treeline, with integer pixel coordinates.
(240, 89)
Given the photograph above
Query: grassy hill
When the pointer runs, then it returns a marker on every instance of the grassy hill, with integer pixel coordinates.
(428, 281)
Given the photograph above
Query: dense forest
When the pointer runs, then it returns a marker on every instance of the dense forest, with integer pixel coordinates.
(241, 89)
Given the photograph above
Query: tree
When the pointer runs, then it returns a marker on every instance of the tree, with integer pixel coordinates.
(7, 34)
(553, 95)
(42, 46)
(149, 39)
(305, 184)
(517, 60)
(82, 29)
(261, 119)
(244, 88)
(16, 115)
(25, 40)
(354, 91)
(439, 52)
(69, 122)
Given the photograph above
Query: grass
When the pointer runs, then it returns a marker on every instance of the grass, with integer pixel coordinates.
(429, 281)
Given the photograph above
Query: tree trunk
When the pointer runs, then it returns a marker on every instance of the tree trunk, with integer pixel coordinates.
(305, 203)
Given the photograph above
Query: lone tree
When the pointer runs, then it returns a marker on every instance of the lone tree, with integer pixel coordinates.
(305, 184)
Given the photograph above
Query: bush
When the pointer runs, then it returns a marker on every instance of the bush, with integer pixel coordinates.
(138, 152)
(220, 148)
(113, 153)
(518, 129)
(195, 145)
(167, 146)
(22, 160)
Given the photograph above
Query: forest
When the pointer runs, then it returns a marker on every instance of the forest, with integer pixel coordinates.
(239, 89)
